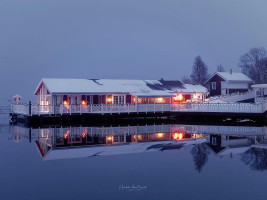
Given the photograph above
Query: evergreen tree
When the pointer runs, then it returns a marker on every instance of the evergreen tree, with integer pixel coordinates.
(199, 72)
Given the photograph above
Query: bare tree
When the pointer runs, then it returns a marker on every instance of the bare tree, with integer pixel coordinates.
(254, 64)
(186, 79)
(199, 72)
(220, 68)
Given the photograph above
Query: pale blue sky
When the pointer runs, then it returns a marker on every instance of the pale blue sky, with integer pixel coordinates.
(139, 39)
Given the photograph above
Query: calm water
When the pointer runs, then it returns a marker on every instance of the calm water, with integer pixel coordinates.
(144, 162)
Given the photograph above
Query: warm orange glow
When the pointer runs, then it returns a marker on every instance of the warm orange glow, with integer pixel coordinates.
(160, 100)
(65, 103)
(178, 136)
(180, 97)
(83, 102)
(109, 138)
(109, 100)
(66, 135)
(83, 135)
(160, 135)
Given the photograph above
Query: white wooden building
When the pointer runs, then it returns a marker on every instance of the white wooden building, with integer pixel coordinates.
(113, 91)
(224, 83)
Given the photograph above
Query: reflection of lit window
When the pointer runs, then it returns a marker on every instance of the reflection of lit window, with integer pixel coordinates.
(160, 135)
(178, 136)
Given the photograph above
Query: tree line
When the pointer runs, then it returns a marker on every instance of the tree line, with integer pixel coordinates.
(253, 64)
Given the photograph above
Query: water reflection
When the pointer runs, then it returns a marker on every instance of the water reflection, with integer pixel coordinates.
(250, 143)
(200, 153)
(256, 158)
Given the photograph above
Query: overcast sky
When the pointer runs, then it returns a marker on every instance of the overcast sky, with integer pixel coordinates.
(138, 39)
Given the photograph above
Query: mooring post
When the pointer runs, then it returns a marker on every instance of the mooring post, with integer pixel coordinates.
(30, 108)
(30, 135)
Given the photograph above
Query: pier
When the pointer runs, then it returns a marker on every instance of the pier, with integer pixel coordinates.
(27, 112)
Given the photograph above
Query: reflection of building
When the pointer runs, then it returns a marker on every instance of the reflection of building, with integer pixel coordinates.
(109, 140)
(58, 142)
(226, 144)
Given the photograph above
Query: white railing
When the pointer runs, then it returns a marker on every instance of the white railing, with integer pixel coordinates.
(153, 108)
(41, 109)
(219, 107)
(234, 97)
(139, 108)
(5, 109)
(22, 109)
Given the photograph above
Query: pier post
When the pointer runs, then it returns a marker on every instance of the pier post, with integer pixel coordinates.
(30, 108)
(30, 135)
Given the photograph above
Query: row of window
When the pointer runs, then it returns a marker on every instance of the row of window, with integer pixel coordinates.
(89, 100)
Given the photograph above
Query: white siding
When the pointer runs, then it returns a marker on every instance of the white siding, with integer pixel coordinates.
(234, 85)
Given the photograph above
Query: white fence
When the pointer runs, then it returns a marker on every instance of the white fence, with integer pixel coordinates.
(4, 109)
(233, 97)
(220, 107)
(139, 108)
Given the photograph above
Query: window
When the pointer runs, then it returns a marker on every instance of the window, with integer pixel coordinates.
(117, 138)
(214, 141)
(58, 100)
(213, 85)
(118, 99)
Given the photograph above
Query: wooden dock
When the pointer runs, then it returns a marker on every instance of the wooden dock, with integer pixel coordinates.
(41, 113)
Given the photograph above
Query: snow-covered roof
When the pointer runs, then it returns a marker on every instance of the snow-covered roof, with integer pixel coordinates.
(189, 88)
(135, 87)
(232, 77)
(263, 86)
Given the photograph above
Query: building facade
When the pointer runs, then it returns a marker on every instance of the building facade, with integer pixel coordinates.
(224, 83)
(85, 92)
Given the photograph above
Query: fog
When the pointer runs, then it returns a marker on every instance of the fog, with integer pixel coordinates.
(137, 39)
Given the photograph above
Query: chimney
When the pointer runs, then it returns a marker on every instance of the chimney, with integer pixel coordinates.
(231, 71)
(161, 79)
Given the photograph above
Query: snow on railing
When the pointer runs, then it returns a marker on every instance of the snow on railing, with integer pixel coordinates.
(138, 108)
